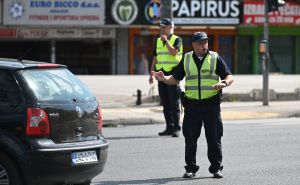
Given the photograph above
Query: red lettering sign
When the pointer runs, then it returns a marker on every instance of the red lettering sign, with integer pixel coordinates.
(287, 15)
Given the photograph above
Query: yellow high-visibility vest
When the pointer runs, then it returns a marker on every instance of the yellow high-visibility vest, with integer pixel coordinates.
(195, 89)
(165, 60)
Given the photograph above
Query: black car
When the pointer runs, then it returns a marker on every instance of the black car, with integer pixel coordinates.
(50, 126)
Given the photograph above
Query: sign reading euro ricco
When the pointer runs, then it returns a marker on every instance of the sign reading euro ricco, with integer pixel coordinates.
(54, 12)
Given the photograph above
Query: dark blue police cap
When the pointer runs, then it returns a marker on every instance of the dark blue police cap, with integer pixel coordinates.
(199, 36)
(166, 22)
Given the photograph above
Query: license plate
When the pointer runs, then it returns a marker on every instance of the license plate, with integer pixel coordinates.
(84, 157)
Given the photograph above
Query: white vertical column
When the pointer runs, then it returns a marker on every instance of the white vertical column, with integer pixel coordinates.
(53, 51)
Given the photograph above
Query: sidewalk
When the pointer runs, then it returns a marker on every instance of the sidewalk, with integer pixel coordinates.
(116, 94)
(152, 113)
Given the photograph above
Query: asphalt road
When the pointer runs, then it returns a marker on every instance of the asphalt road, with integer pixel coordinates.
(256, 152)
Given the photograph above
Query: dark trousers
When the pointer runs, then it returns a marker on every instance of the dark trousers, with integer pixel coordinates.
(194, 117)
(169, 97)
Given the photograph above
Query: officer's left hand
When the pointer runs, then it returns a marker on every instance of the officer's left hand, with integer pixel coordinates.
(219, 86)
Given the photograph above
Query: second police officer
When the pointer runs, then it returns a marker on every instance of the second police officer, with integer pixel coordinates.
(167, 54)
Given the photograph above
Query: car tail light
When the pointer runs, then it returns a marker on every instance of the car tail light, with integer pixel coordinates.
(99, 118)
(37, 122)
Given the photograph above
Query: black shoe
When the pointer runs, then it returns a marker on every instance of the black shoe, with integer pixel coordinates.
(218, 174)
(188, 174)
(165, 133)
(176, 133)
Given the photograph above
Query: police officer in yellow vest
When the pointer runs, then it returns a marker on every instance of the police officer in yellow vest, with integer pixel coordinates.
(167, 55)
(206, 74)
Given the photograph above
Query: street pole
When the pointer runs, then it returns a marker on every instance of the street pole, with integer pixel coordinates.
(166, 9)
(265, 59)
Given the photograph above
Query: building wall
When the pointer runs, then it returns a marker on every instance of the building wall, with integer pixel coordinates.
(117, 52)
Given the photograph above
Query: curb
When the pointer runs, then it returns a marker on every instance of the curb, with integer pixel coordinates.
(253, 95)
(225, 117)
(130, 121)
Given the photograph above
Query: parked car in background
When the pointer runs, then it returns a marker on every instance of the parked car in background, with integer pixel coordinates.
(50, 126)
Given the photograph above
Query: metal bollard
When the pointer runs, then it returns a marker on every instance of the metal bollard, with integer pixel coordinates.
(139, 97)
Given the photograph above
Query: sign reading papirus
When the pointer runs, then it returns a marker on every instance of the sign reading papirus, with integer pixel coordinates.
(207, 12)
(54, 12)
(289, 14)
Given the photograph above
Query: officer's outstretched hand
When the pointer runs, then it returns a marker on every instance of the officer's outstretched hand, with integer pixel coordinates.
(158, 75)
(219, 86)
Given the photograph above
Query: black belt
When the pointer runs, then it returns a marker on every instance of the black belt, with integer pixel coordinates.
(208, 101)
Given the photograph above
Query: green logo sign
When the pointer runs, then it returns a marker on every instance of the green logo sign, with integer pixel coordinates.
(124, 11)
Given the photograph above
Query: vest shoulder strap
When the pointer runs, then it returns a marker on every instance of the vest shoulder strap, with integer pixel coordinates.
(214, 56)
(187, 60)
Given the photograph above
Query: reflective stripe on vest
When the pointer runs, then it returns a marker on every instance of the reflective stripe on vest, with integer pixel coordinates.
(165, 60)
(195, 89)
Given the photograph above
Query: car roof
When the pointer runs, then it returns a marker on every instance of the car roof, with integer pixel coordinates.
(15, 64)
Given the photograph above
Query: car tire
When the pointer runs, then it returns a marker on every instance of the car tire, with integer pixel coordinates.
(9, 171)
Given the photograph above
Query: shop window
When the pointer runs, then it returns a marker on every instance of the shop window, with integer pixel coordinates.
(281, 54)
(85, 57)
(244, 54)
(226, 50)
(143, 53)
(37, 51)
(187, 43)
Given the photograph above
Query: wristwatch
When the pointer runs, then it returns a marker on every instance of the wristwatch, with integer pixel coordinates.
(224, 82)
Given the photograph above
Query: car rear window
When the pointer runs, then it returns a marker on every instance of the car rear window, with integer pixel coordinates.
(56, 85)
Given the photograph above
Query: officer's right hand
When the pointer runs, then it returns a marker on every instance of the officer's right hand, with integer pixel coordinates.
(163, 37)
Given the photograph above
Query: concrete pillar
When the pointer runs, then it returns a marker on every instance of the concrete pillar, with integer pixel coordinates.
(53, 51)
(122, 52)
(166, 9)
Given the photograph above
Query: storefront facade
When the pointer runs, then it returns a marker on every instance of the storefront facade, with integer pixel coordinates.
(284, 39)
(118, 36)
(84, 51)
(218, 18)
(235, 35)
(142, 40)
(66, 32)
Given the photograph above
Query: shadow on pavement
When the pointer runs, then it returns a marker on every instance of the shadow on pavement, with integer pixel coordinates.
(149, 181)
(131, 137)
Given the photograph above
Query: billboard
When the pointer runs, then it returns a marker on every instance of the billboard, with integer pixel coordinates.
(132, 12)
(58, 13)
(289, 14)
(185, 12)
(207, 12)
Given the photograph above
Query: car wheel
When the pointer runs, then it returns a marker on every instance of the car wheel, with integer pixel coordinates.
(9, 173)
